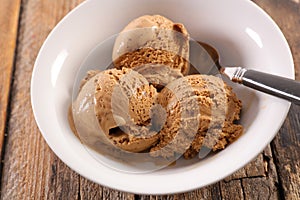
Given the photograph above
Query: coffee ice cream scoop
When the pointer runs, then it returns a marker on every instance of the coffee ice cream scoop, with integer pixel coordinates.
(114, 107)
(152, 39)
(201, 110)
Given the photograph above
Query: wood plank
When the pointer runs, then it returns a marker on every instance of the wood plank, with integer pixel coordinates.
(9, 19)
(209, 192)
(253, 169)
(260, 175)
(90, 190)
(232, 190)
(265, 187)
(257, 168)
(286, 144)
(257, 188)
(31, 170)
(286, 149)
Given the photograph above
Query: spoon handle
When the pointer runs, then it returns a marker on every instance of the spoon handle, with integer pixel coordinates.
(285, 88)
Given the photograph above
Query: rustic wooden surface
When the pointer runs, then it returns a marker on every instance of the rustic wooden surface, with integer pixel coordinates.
(8, 35)
(30, 170)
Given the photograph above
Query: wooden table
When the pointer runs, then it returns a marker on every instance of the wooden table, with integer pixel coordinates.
(30, 170)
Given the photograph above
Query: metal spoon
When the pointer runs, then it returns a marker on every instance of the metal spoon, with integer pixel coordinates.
(282, 87)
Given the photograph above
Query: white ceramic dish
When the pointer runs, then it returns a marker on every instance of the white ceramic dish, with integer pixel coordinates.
(242, 32)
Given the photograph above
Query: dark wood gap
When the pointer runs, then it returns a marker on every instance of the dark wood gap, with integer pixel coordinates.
(276, 163)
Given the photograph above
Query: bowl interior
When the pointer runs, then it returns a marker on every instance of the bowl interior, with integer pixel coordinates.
(246, 40)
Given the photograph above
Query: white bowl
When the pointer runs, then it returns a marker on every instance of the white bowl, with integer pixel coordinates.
(242, 32)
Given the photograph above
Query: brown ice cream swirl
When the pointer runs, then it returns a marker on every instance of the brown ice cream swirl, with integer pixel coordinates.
(121, 102)
(201, 110)
(156, 40)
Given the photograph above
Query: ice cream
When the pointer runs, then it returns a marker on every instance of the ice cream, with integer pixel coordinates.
(149, 103)
(114, 107)
(201, 110)
(156, 40)
(158, 75)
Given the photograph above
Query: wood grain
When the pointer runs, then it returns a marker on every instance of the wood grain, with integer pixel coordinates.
(286, 148)
(31, 170)
(286, 145)
(9, 19)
